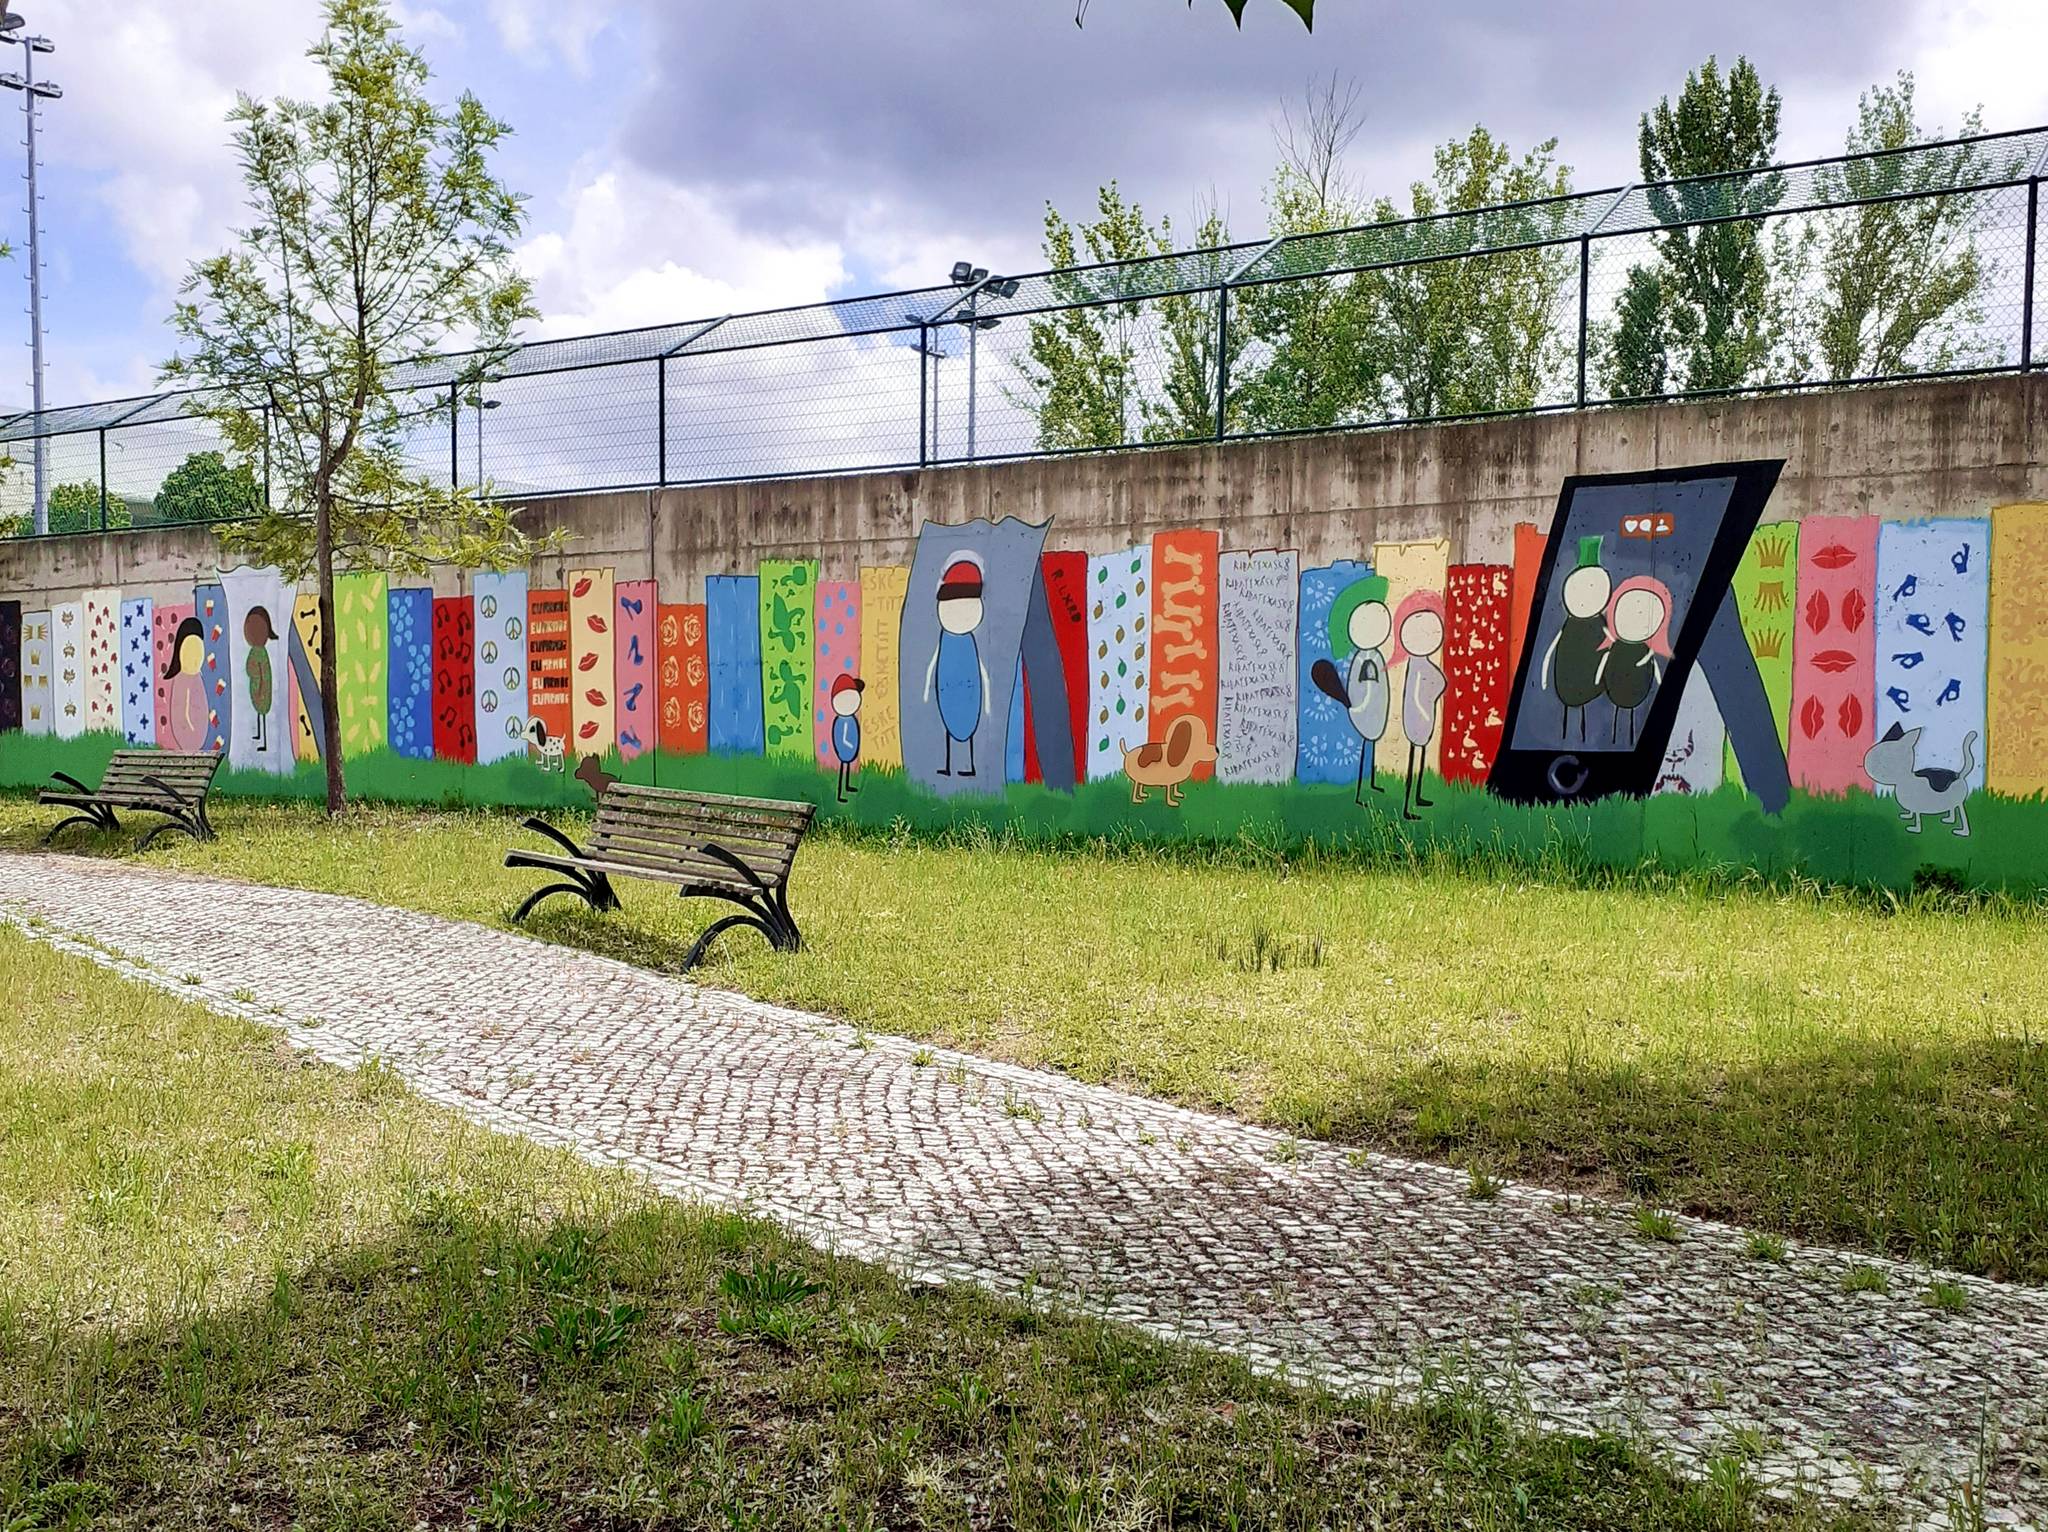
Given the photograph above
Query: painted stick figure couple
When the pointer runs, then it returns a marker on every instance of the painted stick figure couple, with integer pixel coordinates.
(1361, 625)
(1613, 643)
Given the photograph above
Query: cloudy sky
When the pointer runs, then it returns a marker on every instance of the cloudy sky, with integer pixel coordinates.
(693, 157)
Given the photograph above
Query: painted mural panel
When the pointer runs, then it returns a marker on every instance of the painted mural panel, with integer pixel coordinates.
(10, 665)
(1185, 596)
(1766, 589)
(882, 589)
(308, 655)
(38, 681)
(501, 601)
(635, 673)
(261, 737)
(1066, 594)
(1479, 602)
(361, 616)
(550, 668)
(838, 629)
(67, 668)
(1528, 562)
(1408, 568)
(102, 660)
(179, 665)
(732, 609)
(976, 609)
(1694, 757)
(787, 593)
(138, 654)
(1834, 653)
(1119, 690)
(685, 678)
(410, 710)
(1328, 748)
(1933, 641)
(1255, 716)
(211, 603)
(593, 657)
(455, 679)
(2017, 718)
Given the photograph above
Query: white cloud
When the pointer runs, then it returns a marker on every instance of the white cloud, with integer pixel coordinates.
(544, 31)
(421, 22)
(635, 250)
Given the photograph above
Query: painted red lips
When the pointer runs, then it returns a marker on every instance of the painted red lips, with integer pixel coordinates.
(1834, 661)
(1834, 556)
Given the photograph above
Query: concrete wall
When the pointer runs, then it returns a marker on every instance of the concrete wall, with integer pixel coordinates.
(1953, 448)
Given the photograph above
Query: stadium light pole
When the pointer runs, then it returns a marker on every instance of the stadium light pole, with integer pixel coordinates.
(482, 404)
(33, 90)
(976, 280)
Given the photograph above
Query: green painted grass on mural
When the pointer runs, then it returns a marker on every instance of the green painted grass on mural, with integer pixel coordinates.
(1853, 841)
(243, 1289)
(1867, 1070)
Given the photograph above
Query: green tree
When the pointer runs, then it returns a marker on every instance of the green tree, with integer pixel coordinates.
(1635, 351)
(1315, 361)
(1080, 369)
(206, 487)
(1903, 281)
(1185, 408)
(1462, 336)
(380, 236)
(75, 507)
(1722, 313)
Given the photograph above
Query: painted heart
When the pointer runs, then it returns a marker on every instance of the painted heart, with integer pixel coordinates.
(1834, 556)
(1817, 611)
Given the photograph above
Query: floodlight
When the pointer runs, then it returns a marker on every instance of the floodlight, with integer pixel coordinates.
(963, 273)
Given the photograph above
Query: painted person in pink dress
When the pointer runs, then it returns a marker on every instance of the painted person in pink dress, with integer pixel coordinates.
(187, 710)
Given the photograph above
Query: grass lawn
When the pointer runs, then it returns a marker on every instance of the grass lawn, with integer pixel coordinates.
(242, 1289)
(1854, 1068)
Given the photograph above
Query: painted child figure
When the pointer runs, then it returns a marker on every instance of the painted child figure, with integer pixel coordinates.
(846, 692)
(259, 634)
(1418, 638)
(1366, 686)
(956, 672)
(1572, 663)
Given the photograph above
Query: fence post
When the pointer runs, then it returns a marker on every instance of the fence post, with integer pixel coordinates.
(924, 378)
(1222, 361)
(2033, 260)
(266, 457)
(103, 478)
(1585, 285)
(661, 406)
(454, 443)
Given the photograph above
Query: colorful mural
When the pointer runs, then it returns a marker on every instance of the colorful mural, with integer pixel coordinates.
(1843, 693)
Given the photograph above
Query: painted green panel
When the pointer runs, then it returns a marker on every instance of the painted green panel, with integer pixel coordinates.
(360, 617)
(1766, 584)
(788, 596)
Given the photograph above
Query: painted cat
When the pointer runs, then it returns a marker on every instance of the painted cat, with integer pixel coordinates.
(1922, 789)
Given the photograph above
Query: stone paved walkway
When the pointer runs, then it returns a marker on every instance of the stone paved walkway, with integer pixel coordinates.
(1361, 1271)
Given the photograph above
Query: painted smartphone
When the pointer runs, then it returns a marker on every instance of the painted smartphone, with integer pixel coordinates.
(1634, 593)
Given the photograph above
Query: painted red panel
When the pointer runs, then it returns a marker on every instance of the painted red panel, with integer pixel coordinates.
(685, 679)
(547, 661)
(1480, 602)
(1529, 542)
(1834, 653)
(454, 679)
(1066, 593)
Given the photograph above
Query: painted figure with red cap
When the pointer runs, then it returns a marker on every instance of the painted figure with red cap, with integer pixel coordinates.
(956, 672)
(845, 699)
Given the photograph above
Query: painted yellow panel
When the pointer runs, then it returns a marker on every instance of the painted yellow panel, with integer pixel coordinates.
(882, 591)
(1409, 567)
(2017, 718)
(306, 624)
(592, 707)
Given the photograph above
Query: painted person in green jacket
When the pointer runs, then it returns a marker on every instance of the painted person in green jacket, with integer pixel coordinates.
(259, 634)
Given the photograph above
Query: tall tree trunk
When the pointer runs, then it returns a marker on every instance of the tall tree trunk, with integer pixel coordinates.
(330, 668)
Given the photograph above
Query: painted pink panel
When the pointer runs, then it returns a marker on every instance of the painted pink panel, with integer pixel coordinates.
(1834, 653)
(636, 670)
(836, 619)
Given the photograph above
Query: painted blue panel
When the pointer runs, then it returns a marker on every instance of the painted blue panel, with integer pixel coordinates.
(500, 666)
(138, 683)
(409, 676)
(210, 603)
(1933, 621)
(1326, 746)
(732, 616)
(1013, 748)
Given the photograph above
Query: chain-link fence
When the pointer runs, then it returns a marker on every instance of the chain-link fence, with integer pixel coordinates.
(1923, 262)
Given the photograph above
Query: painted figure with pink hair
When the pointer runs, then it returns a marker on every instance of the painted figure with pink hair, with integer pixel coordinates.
(1638, 641)
(1418, 639)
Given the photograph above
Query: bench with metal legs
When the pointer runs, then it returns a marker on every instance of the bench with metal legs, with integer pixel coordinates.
(174, 784)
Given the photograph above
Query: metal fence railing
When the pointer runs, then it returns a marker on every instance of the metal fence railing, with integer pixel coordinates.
(1499, 310)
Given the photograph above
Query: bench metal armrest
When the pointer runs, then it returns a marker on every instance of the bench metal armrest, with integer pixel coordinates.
(170, 792)
(712, 849)
(70, 781)
(542, 827)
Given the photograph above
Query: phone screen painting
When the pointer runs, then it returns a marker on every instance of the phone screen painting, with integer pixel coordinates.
(1625, 572)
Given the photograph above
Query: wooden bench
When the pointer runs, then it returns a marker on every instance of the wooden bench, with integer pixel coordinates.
(166, 782)
(710, 846)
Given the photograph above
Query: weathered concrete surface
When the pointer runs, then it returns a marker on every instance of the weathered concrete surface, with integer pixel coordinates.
(1930, 449)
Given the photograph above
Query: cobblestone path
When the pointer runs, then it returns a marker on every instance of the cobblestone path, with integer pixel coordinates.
(1357, 1270)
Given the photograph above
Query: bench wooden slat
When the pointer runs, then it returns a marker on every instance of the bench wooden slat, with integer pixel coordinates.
(705, 875)
(779, 808)
(672, 856)
(693, 832)
(643, 811)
